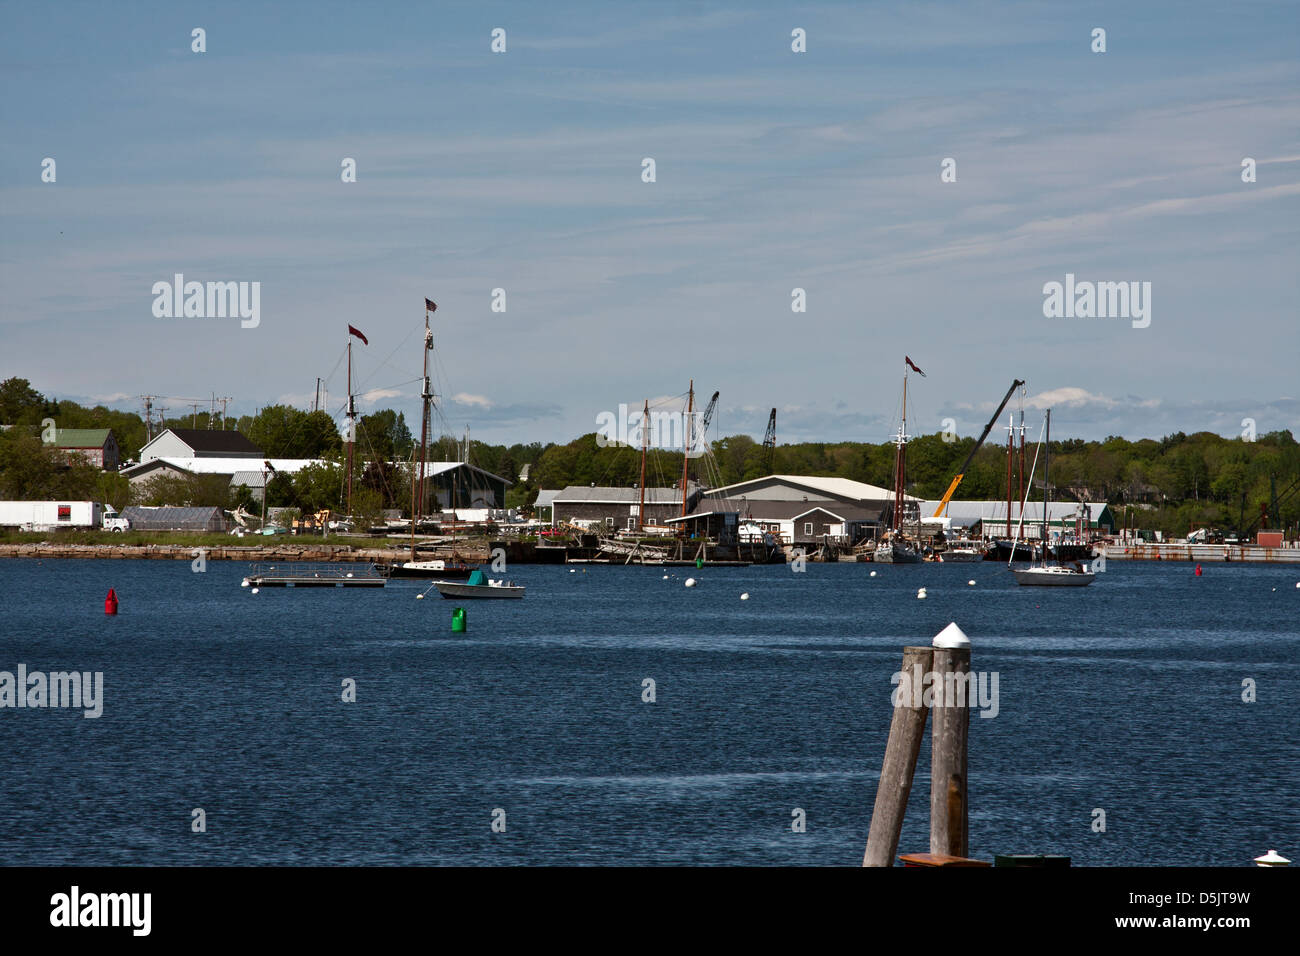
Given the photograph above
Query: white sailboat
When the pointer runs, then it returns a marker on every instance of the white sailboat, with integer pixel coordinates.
(1045, 575)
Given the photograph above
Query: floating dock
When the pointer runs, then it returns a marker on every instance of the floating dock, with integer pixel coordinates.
(298, 575)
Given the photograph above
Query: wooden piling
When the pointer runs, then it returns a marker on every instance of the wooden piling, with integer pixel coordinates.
(906, 729)
(949, 820)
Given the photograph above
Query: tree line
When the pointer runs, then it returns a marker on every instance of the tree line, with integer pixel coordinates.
(1171, 484)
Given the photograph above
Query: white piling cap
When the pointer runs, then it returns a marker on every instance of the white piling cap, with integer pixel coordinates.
(1272, 858)
(951, 636)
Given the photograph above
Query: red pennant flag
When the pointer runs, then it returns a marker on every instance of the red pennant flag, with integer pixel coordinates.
(353, 331)
(912, 366)
(430, 305)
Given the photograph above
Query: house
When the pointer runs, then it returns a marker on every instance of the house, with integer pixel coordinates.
(199, 443)
(617, 508)
(181, 452)
(250, 472)
(95, 446)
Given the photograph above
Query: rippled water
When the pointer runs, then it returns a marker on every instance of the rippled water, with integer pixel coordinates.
(1124, 696)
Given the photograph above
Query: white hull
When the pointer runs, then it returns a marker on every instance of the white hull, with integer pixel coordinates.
(1054, 577)
(452, 589)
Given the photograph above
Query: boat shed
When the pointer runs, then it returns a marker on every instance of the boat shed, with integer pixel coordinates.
(458, 485)
(988, 519)
(169, 518)
(616, 508)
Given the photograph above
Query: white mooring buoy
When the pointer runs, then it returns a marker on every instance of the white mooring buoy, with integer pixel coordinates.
(971, 582)
(873, 574)
(745, 596)
(690, 582)
(255, 590)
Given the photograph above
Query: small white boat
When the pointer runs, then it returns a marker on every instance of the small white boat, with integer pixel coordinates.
(965, 553)
(479, 586)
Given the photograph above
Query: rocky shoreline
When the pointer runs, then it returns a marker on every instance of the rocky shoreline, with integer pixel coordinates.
(180, 552)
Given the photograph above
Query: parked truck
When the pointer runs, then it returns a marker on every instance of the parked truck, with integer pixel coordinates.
(50, 515)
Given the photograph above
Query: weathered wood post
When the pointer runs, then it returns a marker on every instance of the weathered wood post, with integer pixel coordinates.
(949, 818)
(906, 729)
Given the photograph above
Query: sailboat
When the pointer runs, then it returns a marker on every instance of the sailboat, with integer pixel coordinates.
(893, 547)
(1055, 575)
(437, 567)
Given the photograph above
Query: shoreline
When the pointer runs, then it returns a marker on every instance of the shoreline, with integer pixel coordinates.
(350, 554)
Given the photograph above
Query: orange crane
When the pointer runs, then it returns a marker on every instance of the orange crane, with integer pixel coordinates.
(961, 472)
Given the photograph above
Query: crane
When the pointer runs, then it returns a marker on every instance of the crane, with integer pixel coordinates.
(961, 472)
(708, 416)
(769, 441)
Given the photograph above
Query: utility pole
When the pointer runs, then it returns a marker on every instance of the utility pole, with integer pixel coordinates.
(315, 406)
(224, 401)
(148, 416)
(194, 420)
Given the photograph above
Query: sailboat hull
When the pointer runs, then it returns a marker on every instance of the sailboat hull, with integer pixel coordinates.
(1053, 577)
(430, 571)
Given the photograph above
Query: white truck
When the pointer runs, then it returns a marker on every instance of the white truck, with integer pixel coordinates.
(50, 515)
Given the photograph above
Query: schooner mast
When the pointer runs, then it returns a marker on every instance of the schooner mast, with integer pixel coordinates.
(352, 412)
(426, 401)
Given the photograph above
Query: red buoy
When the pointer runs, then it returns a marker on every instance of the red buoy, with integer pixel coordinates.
(1198, 570)
(110, 602)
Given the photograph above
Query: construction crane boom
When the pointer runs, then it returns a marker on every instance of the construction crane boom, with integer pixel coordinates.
(961, 472)
(769, 440)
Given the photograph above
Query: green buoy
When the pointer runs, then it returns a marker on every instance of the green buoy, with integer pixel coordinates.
(699, 563)
(458, 622)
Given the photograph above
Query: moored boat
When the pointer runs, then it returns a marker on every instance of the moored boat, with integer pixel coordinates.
(479, 586)
(1055, 576)
(431, 569)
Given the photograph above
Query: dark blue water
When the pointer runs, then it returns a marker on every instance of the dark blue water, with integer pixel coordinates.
(1124, 696)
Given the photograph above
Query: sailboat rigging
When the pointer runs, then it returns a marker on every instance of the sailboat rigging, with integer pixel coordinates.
(894, 547)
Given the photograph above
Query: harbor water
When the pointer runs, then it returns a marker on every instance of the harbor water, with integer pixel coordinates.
(1125, 697)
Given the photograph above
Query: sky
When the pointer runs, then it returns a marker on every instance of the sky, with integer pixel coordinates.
(775, 170)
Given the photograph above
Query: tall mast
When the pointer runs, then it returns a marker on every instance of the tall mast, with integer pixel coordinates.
(352, 423)
(645, 434)
(1020, 467)
(1047, 478)
(1011, 450)
(426, 397)
(900, 461)
(686, 453)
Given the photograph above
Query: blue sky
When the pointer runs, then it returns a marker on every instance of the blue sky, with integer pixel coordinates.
(775, 170)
